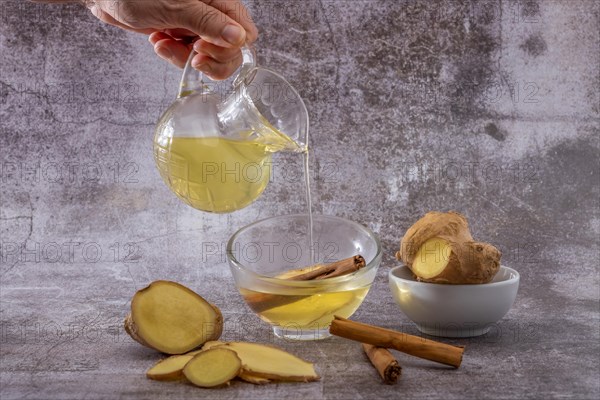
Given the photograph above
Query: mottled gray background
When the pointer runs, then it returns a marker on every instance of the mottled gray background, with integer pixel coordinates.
(490, 108)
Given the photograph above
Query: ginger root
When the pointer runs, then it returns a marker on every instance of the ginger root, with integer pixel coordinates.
(169, 317)
(213, 367)
(439, 248)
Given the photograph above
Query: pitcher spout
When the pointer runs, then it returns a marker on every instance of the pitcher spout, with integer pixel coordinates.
(247, 115)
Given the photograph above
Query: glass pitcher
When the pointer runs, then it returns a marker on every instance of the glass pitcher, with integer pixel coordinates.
(213, 147)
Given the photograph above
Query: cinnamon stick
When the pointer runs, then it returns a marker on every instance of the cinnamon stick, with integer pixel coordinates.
(337, 268)
(388, 338)
(260, 302)
(384, 362)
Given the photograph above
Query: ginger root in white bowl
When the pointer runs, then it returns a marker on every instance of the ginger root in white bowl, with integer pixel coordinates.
(439, 248)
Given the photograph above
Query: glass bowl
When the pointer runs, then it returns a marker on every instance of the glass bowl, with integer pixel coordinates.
(261, 253)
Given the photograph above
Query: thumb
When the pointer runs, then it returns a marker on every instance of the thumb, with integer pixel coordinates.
(212, 25)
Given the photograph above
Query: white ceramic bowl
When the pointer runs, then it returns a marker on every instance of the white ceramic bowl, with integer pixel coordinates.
(454, 310)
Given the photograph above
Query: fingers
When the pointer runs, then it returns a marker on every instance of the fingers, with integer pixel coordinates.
(180, 33)
(239, 13)
(219, 54)
(107, 18)
(211, 24)
(173, 51)
(214, 69)
(169, 49)
(225, 23)
(156, 36)
(216, 62)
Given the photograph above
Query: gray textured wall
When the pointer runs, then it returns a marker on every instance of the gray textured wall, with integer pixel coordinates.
(489, 108)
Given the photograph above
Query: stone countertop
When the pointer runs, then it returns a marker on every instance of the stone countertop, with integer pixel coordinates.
(488, 108)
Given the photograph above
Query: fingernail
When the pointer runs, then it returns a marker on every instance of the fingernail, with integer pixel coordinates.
(197, 46)
(252, 35)
(232, 34)
(164, 53)
(203, 68)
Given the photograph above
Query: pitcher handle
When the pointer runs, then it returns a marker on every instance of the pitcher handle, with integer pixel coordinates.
(191, 81)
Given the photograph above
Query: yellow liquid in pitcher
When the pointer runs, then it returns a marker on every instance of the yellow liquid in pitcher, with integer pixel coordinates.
(214, 174)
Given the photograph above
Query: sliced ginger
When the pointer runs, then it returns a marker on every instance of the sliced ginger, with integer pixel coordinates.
(439, 248)
(432, 258)
(212, 343)
(170, 368)
(171, 318)
(260, 364)
(268, 362)
(213, 367)
(251, 378)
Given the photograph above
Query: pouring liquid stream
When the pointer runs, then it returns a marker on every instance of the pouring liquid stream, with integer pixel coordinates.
(279, 141)
(311, 242)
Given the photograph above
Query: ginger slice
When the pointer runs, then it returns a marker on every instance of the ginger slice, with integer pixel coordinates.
(299, 310)
(249, 377)
(212, 343)
(170, 368)
(441, 261)
(450, 226)
(293, 272)
(213, 367)
(270, 362)
(432, 258)
(171, 318)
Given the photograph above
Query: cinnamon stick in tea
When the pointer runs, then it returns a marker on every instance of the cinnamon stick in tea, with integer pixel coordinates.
(260, 302)
(388, 338)
(337, 268)
(384, 362)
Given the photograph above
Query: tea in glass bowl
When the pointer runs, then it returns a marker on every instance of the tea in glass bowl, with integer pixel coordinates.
(269, 260)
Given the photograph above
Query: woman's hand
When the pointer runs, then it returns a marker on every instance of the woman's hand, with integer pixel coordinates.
(222, 25)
